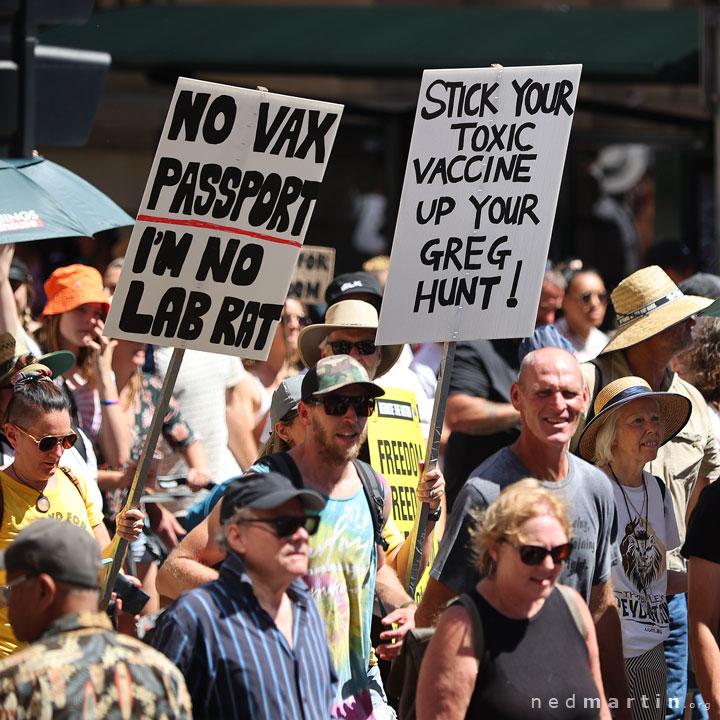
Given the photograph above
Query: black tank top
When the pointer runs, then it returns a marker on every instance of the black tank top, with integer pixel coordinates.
(535, 668)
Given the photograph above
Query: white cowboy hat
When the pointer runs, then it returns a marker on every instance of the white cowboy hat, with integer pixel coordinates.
(345, 315)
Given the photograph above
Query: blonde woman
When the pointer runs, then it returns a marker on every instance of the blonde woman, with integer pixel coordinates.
(535, 660)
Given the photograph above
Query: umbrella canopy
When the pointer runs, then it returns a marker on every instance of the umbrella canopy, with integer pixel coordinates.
(40, 200)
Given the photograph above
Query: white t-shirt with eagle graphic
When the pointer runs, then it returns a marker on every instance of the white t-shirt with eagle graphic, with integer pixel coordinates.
(639, 581)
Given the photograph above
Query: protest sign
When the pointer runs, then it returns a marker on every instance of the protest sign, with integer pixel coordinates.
(313, 273)
(224, 214)
(396, 447)
(478, 203)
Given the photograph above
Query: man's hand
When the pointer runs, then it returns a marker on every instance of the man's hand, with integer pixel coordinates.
(431, 488)
(166, 527)
(401, 620)
(197, 479)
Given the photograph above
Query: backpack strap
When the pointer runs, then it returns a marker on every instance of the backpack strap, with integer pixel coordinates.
(282, 463)
(477, 627)
(573, 608)
(598, 387)
(663, 487)
(73, 479)
(375, 496)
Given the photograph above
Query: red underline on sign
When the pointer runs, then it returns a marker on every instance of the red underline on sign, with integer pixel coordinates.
(212, 226)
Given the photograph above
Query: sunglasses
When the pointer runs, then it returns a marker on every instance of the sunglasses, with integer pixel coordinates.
(586, 297)
(286, 527)
(339, 404)
(344, 347)
(301, 320)
(5, 590)
(535, 555)
(49, 442)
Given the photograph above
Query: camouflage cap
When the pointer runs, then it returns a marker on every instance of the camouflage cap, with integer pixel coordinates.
(335, 372)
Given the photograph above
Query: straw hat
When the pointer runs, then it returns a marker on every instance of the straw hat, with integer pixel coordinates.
(345, 315)
(72, 286)
(59, 361)
(674, 410)
(648, 302)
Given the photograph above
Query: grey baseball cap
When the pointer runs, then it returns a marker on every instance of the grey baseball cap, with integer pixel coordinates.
(285, 399)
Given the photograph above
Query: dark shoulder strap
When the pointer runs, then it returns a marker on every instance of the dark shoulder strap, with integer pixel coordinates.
(477, 627)
(574, 609)
(282, 463)
(375, 495)
(80, 444)
(663, 487)
(73, 479)
(598, 387)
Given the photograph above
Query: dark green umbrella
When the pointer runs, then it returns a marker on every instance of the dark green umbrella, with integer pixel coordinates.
(40, 200)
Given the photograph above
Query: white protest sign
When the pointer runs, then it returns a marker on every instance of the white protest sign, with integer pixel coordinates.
(313, 273)
(224, 214)
(478, 203)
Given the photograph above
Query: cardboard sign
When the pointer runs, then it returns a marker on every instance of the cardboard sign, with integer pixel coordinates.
(313, 273)
(396, 446)
(478, 203)
(224, 214)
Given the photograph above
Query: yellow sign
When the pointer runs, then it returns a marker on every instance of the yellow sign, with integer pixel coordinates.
(396, 447)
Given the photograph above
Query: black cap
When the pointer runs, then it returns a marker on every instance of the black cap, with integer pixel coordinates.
(66, 552)
(265, 491)
(347, 285)
(19, 271)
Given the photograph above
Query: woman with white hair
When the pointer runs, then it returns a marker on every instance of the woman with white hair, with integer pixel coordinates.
(631, 422)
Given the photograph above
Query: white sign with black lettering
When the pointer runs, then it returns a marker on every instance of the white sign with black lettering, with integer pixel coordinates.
(478, 203)
(224, 215)
(313, 273)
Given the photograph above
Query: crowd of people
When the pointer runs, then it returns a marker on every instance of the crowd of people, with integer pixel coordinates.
(572, 510)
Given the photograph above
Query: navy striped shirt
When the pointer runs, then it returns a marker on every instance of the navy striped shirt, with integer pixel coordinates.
(236, 662)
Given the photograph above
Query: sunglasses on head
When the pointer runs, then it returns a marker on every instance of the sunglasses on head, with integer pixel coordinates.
(48, 442)
(286, 527)
(339, 404)
(344, 347)
(535, 554)
(586, 297)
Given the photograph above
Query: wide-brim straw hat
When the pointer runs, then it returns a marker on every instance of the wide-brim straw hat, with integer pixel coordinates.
(674, 410)
(345, 315)
(646, 303)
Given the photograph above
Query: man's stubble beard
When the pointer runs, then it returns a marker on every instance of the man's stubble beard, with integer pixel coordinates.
(332, 453)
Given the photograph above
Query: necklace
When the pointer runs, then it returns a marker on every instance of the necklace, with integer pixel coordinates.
(629, 503)
(42, 504)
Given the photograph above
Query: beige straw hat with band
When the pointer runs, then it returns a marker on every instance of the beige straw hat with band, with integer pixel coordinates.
(646, 303)
(345, 315)
(674, 410)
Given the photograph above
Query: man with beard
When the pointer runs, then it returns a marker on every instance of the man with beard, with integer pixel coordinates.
(655, 321)
(346, 564)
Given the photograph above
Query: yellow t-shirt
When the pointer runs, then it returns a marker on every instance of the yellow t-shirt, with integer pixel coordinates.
(19, 510)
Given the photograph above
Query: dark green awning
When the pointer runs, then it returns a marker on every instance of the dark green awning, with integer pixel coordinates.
(613, 45)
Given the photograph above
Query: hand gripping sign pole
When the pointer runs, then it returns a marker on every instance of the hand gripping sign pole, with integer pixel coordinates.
(431, 457)
(119, 545)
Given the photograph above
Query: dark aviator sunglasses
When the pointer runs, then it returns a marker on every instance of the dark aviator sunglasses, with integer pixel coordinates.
(535, 554)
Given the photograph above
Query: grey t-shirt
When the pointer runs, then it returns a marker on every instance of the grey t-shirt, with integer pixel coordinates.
(594, 522)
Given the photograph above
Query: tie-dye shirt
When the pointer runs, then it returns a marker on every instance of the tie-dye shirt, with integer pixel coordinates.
(343, 564)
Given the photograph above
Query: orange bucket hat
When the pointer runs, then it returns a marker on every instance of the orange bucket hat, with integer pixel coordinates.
(70, 287)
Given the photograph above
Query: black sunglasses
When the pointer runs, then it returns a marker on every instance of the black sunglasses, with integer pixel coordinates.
(48, 442)
(534, 554)
(344, 347)
(286, 527)
(586, 297)
(339, 404)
